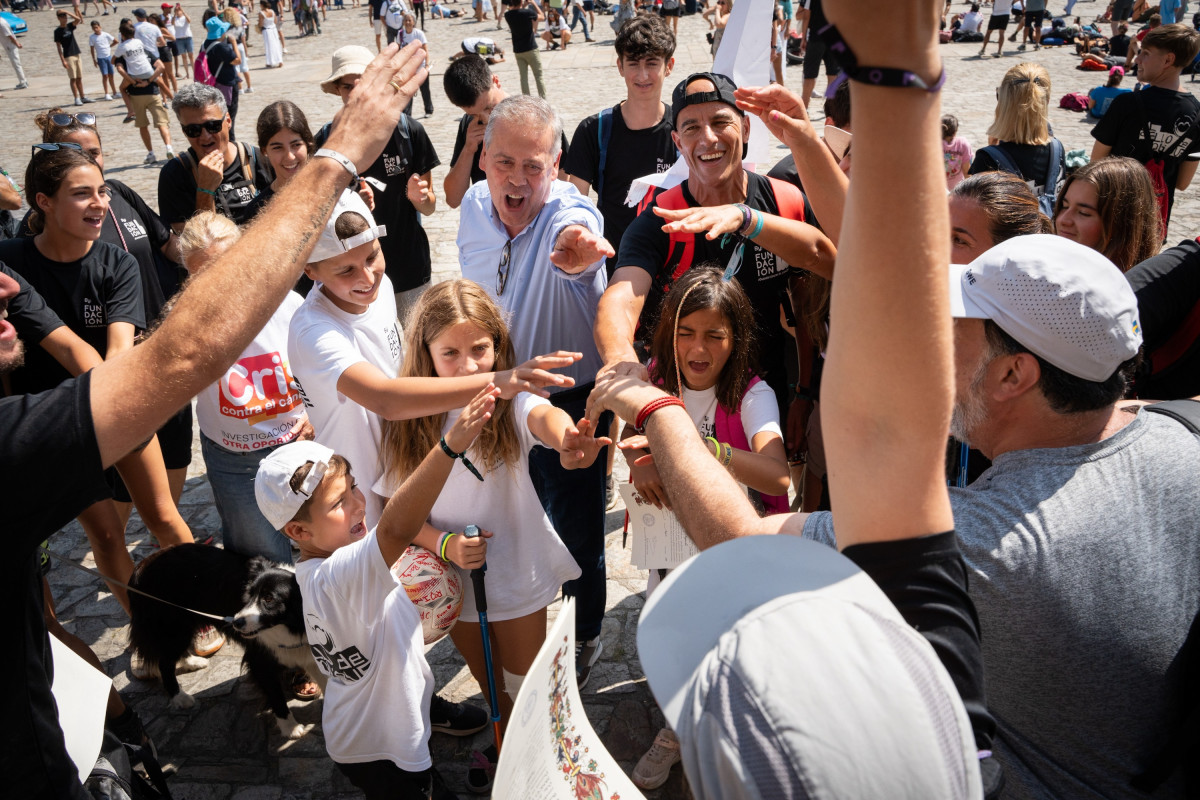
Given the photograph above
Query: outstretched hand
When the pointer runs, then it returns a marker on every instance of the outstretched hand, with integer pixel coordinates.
(579, 447)
(781, 110)
(623, 394)
(713, 221)
(534, 374)
(468, 425)
(644, 472)
(577, 248)
(368, 120)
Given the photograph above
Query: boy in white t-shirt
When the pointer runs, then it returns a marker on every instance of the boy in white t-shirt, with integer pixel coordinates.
(364, 632)
(138, 65)
(100, 43)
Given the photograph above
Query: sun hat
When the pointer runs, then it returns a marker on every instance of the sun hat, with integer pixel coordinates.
(724, 93)
(1060, 299)
(785, 672)
(329, 245)
(273, 491)
(216, 27)
(349, 60)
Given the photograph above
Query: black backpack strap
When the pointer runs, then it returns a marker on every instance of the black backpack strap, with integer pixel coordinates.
(1185, 412)
(603, 135)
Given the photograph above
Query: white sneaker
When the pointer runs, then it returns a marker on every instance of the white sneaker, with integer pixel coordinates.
(108, 97)
(78, 102)
(654, 767)
(170, 153)
(150, 158)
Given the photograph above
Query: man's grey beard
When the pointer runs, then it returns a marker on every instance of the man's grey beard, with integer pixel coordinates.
(969, 411)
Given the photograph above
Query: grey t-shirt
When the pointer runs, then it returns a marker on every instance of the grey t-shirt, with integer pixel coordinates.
(1085, 571)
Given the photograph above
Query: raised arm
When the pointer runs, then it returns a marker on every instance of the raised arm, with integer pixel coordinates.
(220, 311)
(617, 316)
(888, 385)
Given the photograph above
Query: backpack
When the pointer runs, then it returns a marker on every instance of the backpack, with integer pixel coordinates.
(1047, 192)
(248, 157)
(1074, 101)
(394, 16)
(115, 775)
(1184, 732)
(603, 135)
(200, 71)
(728, 429)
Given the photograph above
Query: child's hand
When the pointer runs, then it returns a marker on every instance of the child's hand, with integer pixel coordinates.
(579, 448)
(464, 430)
(644, 473)
(468, 553)
(535, 373)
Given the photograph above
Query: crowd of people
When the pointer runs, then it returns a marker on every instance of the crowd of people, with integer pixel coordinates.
(1007, 468)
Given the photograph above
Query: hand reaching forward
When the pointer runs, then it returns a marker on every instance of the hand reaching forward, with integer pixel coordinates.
(579, 448)
(577, 248)
(534, 374)
(713, 221)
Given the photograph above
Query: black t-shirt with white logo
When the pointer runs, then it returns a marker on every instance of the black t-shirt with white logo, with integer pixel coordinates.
(762, 274)
(177, 188)
(405, 247)
(1172, 120)
(630, 155)
(65, 35)
(521, 22)
(88, 295)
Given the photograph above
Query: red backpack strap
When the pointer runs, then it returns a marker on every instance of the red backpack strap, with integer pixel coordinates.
(673, 199)
(728, 428)
(788, 198)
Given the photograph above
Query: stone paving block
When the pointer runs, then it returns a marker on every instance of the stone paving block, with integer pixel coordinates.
(314, 774)
(200, 791)
(258, 793)
(232, 770)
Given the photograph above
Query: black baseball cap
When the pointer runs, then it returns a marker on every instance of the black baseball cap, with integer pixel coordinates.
(724, 93)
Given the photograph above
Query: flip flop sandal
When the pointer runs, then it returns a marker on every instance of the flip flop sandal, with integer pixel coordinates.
(303, 687)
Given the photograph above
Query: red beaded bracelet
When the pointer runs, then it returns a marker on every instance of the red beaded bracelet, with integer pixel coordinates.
(655, 405)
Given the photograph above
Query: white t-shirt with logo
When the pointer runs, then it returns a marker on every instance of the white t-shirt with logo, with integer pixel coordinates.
(148, 33)
(103, 42)
(256, 404)
(365, 634)
(527, 561)
(323, 342)
(137, 60)
(760, 412)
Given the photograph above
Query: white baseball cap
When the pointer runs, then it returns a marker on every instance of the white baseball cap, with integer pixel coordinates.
(1063, 300)
(786, 672)
(277, 500)
(328, 243)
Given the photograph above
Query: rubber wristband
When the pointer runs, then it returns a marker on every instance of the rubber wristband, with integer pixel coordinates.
(346, 163)
(726, 455)
(746, 218)
(758, 226)
(716, 446)
(460, 456)
(655, 405)
(206, 191)
(876, 76)
(445, 541)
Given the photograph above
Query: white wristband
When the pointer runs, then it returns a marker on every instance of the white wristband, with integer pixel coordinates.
(346, 163)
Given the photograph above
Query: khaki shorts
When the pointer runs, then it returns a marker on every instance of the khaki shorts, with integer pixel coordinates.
(146, 106)
(74, 68)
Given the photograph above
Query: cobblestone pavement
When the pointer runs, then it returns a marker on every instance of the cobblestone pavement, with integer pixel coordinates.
(226, 747)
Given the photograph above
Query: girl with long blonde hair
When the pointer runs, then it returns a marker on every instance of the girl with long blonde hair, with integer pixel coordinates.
(458, 330)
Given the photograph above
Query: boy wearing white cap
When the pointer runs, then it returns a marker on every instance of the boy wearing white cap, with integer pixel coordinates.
(364, 631)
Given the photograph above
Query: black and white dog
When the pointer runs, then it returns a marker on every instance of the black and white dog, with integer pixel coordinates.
(261, 598)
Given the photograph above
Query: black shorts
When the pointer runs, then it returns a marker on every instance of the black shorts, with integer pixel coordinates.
(998, 22)
(175, 440)
(816, 53)
(670, 12)
(1122, 10)
(1034, 18)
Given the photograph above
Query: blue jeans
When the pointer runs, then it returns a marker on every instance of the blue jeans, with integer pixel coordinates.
(243, 527)
(574, 501)
(577, 16)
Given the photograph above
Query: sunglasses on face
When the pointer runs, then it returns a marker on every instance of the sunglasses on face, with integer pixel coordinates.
(50, 147)
(210, 125)
(84, 118)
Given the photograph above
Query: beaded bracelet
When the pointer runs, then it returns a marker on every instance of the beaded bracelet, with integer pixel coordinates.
(651, 407)
(445, 541)
(462, 456)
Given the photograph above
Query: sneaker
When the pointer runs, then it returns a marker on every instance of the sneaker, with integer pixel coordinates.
(22, 85)
(249, 90)
(1021, 47)
(982, 51)
(128, 118)
(78, 102)
(586, 655)
(108, 97)
(610, 494)
(1037, 46)
(654, 767)
(87, 99)
(152, 159)
(456, 719)
(1013, 38)
(208, 640)
(170, 153)
(483, 770)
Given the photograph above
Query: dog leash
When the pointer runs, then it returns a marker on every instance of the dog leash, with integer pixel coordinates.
(97, 574)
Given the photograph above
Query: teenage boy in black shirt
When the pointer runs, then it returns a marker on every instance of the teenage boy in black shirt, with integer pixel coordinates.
(471, 86)
(68, 52)
(633, 138)
(1159, 125)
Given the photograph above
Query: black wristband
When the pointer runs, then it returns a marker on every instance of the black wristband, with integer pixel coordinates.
(461, 456)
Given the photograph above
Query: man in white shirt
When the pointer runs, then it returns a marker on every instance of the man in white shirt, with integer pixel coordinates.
(11, 46)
